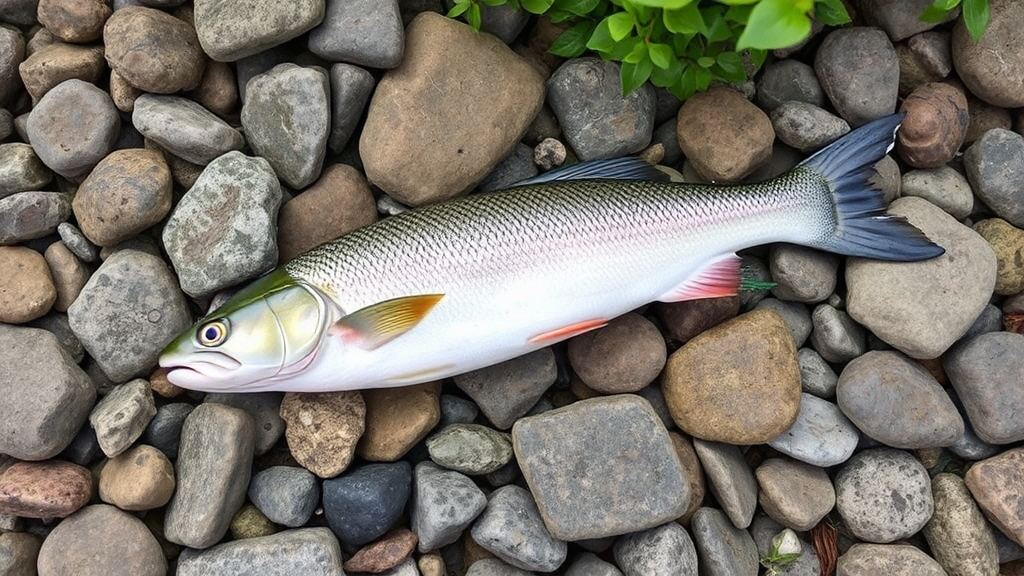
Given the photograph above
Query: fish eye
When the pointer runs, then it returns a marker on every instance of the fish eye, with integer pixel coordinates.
(213, 333)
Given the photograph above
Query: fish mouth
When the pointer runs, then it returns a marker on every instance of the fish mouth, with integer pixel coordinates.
(190, 372)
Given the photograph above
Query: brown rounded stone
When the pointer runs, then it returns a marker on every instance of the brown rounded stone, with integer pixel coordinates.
(995, 484)
(51, 489)
(218, 89)
(153, 50)
(684, 320)
(101, 540)
(58, 62)
(322, 429)
(26, 287)
(993, 67)
(68, 272)
(431, 564)
(249, 522)
(141, 478)
(738, 383)
(74, 21)
(624, 356)
(126, 193)
(935, 126)
(692, 471)
(984, 117)
(162, 386)
(391, 550)
(122, 93)
(398, 418)
(794, 494)
(724, 135)
(1007, 242)
(339, 202)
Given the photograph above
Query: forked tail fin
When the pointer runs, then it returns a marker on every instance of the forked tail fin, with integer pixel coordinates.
(863, 227)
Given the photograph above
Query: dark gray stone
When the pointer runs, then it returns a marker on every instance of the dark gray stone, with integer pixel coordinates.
(71, 144)
(12, 53)
(265, 409)
(30, 215)
(597, 120)
(667, 135)
(286, 495)
(184, 128)
(816, 376)
(351, 88)
(515, 167)
(122, 416)
(503, 21)
(795, 314)
(251, 66)
(128, 311)
(665, 550)
(364, 502)
(573, 459)
(883, 495)
(511, 528)
(836, 337)
(506, 391)
(164, 430)
(990, 320)
(729, 479)
(457, 410)
(470, 448)
(821, 435)
(6, 124)
(21, 170)
(79, 245)
(806, 127)
(995, 168)
(721, 547)
(987, 372)
(19, 12)
(307, 551)
(213, 468)
(229, 30)
(444, 504)
(495, 567)
(859, 71)
(84, 449)
(788, 80)
(364, 32)
(58, 325)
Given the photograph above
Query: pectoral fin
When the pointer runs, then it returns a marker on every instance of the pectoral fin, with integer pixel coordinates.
(378, 324)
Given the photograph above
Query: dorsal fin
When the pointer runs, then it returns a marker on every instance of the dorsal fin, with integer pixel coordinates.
(629, 168)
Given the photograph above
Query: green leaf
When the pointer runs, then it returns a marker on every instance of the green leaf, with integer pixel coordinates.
(938, 10)
(620, 25)
(661, 54)
(557, 16)
(601, 40)
(730, 66)
(638, 53)
(493, 2)
(976, 15)
(758, 57)
(665, 77)
(573, 41)
(578, 7)
(705, 61)
(458, 9)
(701, 78)
(718, 27)
(831, 12)
(634, 75)
(774, 24)
(666, 4)
(685, 20)
(738, 14)
(685, 86)
(624, 47)
(536, 6)
(473, 16)
(738, 2)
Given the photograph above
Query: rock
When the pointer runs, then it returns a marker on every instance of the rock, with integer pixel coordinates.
(603, 431)
(122, 415)
(994, 485)
(1008, 244)
(57, 324)
(122, 93)
(721, 547)
(897, 402)
(794, 314)
(365, 32)
(925, 57)
(957, 533)
(286, 117)
(723, 135)
(692, 471)
(239, 197)
(897, 302)
(795, 494)
(684, 320)
(942, 186)
(98, 540)
(128, 312)
(471, 449)
(588, 564)
(362, 504)
(624, 356)
(51, 489)
(786, 81)
(214, 464)
(397, 419)
(287, 495)
(48, 396)
(18, 553)
(164, 430)
(457, 410)
(445, 502)
(738, 382)
(249, 522)
(12, 53)
(836, 337)
(821, 436)
(900, 20)
(422, 141)
(986, 372)
(503, 21)
(660, 551)
(217, 91)
(517, 166)
(729, 479)
(31, 215)
(26, 286)
(816, 376)
(69, 275)
(995, 166)
(312, 551)
(265, 409)
(512, 529)
(806, 127)
(495, 567)
(71, 144)
(184, 128)
(21, 170)
(230, 30)
(993, 67)
(764, 530)
(985, 117)
(507, 390)
(128, 192)
(338, 203)
(802, 274)
(859, 71)
(73, 238)
(141, 478)
(76, 21)
(934, 127)
(896, 560)
(386, 554)
(883, 495)
(322, 429)
(585, 89)
(58, 62)
(153, 51)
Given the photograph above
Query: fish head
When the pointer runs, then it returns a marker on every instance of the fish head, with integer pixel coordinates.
(266, 332)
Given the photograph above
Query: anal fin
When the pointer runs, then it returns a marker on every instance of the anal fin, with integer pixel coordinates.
(718, 279)
(552, 336)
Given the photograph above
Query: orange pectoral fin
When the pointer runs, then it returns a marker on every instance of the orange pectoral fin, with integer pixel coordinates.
(568, 331)
(380, 323)
(718, 279)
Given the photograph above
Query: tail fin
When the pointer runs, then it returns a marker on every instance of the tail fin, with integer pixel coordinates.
(864, 229)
